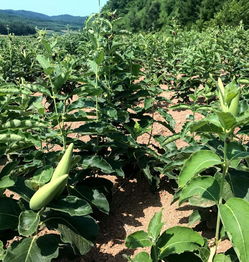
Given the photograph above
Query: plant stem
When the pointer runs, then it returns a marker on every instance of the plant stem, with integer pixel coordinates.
(152, 126)
(154, 254)
(212, 253)
(218, 222)
(61, 127)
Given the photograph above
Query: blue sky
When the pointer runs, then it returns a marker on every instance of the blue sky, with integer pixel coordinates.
(54, 7)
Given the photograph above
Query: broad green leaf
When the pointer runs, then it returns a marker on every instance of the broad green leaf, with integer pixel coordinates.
(72, 205)
(148, 174)
(148, 103)
(227, 120)
(42, 249)
(76, 240)
(235, 216)
(203, 190)
(40, 177)
(39, 88)
(163, 141)
(241, 155)
(94, 128)
(93, 67)
(9, 212)
(98, 162)
(21, 189)
(6, 182)
(77, 231)
(204, 252)
(236, 150)
(222, 258)
(112, 113)
(79, 104)
(142, 257)
(231, 91)
(76, 117)
(89, 89)
(138, 239)
(28, 223)
(177, 240)
(83, 226)
(155, 226)
(93, 196)
(239, 183)
(243, 119)
(169, 120)
(11, 89)
(197, 163)
(45, 64)
(99, 56)
(206, 126)
(8, 169)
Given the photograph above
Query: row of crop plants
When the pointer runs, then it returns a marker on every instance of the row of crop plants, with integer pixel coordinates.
(72, 109)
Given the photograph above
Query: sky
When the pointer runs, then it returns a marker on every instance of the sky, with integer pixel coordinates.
(55, 7)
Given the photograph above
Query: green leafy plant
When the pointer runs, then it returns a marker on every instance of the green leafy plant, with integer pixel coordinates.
(218, 188)
(65, 218)
(165, 246)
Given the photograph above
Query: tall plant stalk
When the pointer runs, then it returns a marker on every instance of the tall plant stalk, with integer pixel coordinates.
(60, 124)
(213, 249)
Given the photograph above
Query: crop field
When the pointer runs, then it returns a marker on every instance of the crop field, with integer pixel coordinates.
(125, 147)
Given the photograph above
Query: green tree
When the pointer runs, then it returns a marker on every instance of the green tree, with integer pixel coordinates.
(233, 12)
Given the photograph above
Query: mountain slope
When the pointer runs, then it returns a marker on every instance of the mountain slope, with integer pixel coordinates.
(151, 15)
(14, 20)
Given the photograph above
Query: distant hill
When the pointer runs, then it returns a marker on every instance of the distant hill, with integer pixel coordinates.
(22, 22)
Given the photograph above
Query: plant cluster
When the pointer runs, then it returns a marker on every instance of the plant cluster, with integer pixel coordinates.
(211, 177)
(187, 61)
(72, 109)
(84, 94)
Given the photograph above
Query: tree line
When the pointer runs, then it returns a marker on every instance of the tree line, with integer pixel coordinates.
(155, 15)
(17, 28)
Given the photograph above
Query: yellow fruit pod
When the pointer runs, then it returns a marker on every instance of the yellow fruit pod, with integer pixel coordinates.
(63, 166)
(44, 195)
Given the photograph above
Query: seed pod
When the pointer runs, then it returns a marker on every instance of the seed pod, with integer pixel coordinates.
(11, 138)
(64, 164)
(234, 106)
(22, 124)
(44, 195)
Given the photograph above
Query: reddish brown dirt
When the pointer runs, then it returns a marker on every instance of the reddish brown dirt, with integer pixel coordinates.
(132, 208)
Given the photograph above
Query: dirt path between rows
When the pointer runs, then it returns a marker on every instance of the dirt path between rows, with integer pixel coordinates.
(134, 205)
